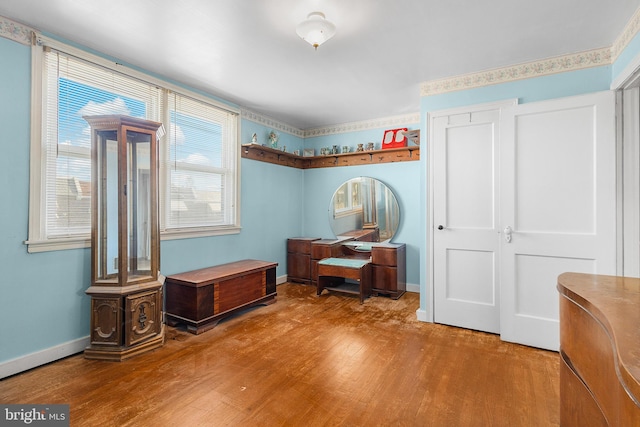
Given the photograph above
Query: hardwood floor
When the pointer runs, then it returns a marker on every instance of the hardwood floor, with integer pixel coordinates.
(309, 361)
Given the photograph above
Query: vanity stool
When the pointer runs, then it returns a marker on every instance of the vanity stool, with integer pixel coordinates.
(333, 272)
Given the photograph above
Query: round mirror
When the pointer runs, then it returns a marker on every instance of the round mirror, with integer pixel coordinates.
(364, 209)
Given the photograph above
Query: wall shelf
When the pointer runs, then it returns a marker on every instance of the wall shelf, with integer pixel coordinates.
(372, 157)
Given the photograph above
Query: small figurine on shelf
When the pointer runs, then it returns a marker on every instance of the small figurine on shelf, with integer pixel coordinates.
(360, 147)
(254, 138)
(345, 148)
(273, 139)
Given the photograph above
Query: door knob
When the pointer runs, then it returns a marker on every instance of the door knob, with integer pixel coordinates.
(507, 234)
(440, 227)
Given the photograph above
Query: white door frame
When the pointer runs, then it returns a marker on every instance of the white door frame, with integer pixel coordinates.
(627, 86)
(430, 291)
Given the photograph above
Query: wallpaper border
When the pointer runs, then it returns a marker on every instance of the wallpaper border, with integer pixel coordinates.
(14, 31)
(545, 67)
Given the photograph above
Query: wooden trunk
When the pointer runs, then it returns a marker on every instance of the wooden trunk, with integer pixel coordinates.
(201, 298)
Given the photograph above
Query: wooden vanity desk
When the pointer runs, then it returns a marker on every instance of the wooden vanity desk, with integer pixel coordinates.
(599, 350)
(388, 262)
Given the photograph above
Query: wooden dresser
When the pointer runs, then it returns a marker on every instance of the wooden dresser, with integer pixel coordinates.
(599, 350)
(201, 298)
(389, 272)
(299, 259)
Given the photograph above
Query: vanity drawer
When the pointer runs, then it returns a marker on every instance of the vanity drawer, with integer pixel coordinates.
(300, 245)
(321, 249)
(389, 255)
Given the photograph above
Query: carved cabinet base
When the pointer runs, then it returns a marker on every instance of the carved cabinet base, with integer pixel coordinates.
(125, 322)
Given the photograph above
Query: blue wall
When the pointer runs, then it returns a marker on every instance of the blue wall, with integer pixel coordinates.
(402, 178)
(42, 302)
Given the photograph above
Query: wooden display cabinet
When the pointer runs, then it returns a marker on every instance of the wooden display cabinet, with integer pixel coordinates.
(126, 286)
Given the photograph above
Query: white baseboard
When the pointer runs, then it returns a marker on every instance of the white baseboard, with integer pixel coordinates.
(281, 279)
(413, 288)
(422, 315)
(33, 360)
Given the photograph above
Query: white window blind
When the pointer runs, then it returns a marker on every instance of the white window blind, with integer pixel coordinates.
(74, 88)
(200, 165)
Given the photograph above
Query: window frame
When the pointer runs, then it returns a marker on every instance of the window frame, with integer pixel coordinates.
(37, 234)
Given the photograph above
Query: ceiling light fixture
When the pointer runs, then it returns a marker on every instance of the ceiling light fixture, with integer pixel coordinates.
(316, 30)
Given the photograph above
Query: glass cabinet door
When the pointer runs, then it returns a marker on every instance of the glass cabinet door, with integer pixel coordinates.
(138, 193)
(107, 231)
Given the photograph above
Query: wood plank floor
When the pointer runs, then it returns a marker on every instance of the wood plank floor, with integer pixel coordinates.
(309, 361)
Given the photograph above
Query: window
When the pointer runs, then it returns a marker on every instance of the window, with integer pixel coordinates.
(199, 168)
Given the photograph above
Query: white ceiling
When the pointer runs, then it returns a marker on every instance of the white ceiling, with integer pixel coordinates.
(247, 51)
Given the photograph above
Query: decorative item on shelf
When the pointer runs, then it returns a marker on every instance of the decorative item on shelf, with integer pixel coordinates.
(360, 147)
(273, 139)
(394, 138)
(370, 146)
(296, 152)
(318, 159)
(413, 135)
(254, 138)
(335, 150)
(345, 148)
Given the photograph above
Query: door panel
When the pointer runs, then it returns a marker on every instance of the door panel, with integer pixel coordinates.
(558, 196)
(465, 205)
(465, 268)
(470, 177)
(554, 160)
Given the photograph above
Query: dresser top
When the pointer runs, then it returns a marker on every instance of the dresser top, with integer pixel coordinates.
(615, 302)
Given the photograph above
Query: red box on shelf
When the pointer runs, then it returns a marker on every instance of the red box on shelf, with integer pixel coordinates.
(394, 138)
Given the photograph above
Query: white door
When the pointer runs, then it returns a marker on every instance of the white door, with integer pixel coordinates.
(465, 207)
(558, 190)
(523, 193)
